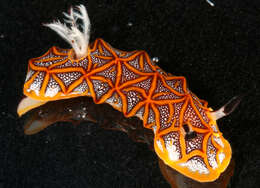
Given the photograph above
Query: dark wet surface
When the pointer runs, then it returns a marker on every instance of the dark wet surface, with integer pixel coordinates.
(215, 48)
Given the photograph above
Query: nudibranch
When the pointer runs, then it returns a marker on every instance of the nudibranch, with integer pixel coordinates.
(186, 136)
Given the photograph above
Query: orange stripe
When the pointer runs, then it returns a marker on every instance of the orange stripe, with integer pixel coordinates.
(148, 98)
(44, 84)
(61, 84)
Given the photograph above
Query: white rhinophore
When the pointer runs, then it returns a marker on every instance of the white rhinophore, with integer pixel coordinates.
(219, 113)
(228, 108)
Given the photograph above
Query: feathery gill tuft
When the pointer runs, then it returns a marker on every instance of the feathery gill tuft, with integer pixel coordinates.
(76, 34)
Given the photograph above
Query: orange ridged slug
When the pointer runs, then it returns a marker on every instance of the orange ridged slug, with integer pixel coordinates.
(186, 136)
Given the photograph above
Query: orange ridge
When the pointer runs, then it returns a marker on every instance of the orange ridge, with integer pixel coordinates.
(133, 82)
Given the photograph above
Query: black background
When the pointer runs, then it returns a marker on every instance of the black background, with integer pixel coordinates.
(215, 48)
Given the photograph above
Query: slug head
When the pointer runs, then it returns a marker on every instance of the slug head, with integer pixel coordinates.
(196, 147)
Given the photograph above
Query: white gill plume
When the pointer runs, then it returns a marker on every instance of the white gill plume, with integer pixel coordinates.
(75, 30)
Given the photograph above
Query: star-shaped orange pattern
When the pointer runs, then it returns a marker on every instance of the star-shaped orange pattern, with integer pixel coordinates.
(186, 138)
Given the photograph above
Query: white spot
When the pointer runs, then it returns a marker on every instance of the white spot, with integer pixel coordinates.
(139, 114)
(84, 115)
(221, 157)
(159, 144)
(211, 154)
(173, 153)
(211, 3)
(35, 86)
(214, 128)
(219, 141)
(213, 162)
(154, 129)
(51, 91)
(29, 74)
(155, 59)
(191, 144)
(196, 164)
(115, 101)
(129, 24)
